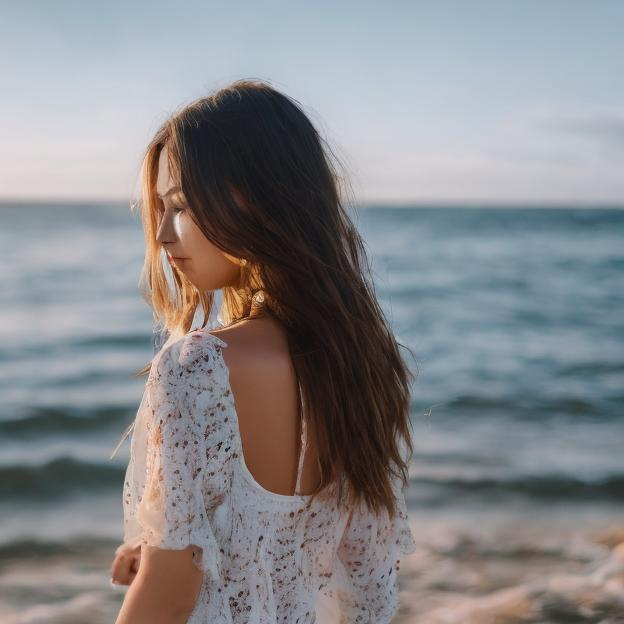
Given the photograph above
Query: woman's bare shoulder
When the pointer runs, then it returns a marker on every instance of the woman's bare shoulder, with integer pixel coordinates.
(257, 345)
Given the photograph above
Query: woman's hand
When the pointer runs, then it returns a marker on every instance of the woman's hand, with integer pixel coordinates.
(125, 565)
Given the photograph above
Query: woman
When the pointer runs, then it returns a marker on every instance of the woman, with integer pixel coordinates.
(268, 456)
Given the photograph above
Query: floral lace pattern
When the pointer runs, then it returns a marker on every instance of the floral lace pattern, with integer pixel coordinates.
(266, 557)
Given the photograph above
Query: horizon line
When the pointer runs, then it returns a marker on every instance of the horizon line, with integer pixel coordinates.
(372, 202)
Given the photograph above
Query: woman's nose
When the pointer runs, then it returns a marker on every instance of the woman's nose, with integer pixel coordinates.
(166, 231)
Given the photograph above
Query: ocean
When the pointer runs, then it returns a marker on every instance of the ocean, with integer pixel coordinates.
(515, 316)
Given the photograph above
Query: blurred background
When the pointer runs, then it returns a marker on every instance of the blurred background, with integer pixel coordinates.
(484, 142)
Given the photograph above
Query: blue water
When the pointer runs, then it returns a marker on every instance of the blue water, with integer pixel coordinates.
(515, 316)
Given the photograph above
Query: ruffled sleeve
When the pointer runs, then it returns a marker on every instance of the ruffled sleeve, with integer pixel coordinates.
(366, 586)
(175, 446)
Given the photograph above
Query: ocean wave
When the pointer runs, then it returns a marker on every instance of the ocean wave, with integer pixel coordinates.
(39, 421)
(548, 487)
(58, 478)
(66, 475)
(77, 546)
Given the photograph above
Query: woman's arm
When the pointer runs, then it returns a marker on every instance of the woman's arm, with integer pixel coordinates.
(169, 514)
(165, 590)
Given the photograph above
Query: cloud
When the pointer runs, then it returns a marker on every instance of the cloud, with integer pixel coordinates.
(536, 156)
(605, 129)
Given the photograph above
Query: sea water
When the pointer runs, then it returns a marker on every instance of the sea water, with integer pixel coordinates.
(512, 320)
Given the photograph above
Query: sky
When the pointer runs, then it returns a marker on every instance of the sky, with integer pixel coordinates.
(423, 101)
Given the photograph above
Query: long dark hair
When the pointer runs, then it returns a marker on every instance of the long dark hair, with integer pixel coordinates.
(261, 184)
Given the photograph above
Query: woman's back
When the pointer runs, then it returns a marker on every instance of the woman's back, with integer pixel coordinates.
(268, 406)
(267, 556)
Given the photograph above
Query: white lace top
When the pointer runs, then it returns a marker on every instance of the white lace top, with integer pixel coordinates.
(266, 557)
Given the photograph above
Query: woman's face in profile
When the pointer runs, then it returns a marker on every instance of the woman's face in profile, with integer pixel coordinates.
(204, 264)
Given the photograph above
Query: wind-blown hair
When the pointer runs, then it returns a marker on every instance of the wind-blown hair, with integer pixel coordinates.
(260, 184)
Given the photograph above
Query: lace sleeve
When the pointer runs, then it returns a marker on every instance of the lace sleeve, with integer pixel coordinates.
(369, 550)
(181, 398)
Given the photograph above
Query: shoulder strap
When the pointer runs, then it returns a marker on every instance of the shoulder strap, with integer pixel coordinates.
(303, 445)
